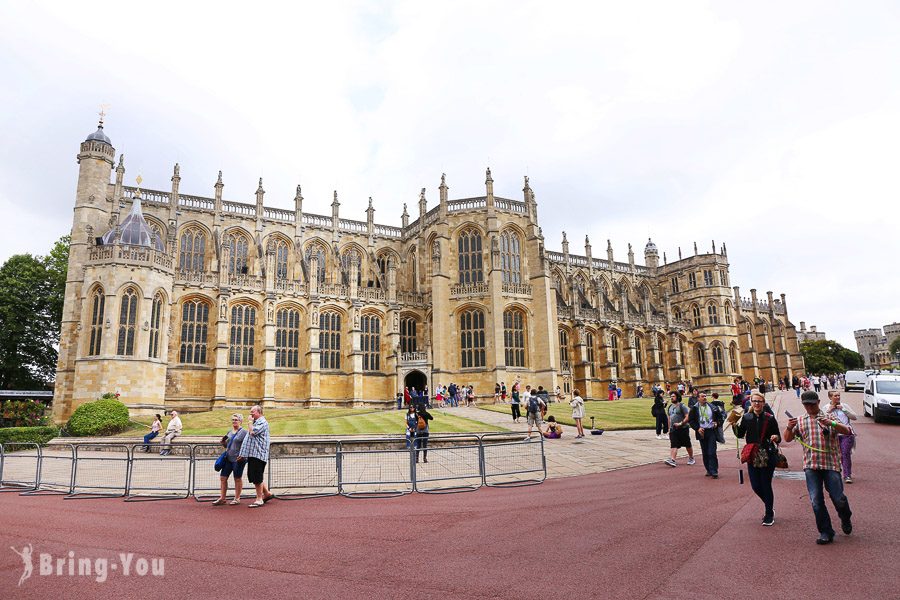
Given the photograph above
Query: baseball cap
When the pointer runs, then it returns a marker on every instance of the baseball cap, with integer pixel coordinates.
(809, 397)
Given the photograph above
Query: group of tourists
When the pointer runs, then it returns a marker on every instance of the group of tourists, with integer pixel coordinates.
(444, 396)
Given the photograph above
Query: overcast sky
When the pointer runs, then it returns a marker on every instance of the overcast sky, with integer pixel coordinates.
(771, 126)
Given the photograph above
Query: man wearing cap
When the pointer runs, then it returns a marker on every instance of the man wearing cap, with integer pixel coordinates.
(818, 434)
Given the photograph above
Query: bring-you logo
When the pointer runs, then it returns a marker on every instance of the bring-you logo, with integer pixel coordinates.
(98, 569)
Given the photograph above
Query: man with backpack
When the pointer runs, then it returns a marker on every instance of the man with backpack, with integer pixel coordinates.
(422, 418)
(535, 404)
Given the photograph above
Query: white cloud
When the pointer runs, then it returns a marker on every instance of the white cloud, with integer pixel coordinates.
(770, 127)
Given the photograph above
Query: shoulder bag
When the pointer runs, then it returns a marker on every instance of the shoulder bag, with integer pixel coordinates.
(748, 452)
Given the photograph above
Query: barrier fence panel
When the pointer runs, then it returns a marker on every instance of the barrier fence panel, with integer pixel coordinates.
(375, 468)
(57, 471)
(101, 471)
(157, 477)
(20, 469)
(299, 470)
(206, 481)
(454, 465)
(512, 461)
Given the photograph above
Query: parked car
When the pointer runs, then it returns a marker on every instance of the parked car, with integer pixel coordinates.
(881, 397)
(855, 381)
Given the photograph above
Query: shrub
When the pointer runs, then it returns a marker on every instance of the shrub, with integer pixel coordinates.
(22, 413)
(33, 435)
(105, 416)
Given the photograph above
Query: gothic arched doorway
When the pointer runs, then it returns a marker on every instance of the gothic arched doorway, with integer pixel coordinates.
(415, 379)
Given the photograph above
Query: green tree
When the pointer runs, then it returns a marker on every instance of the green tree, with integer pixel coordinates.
(32, 289)
(894, 348)
(827, 356)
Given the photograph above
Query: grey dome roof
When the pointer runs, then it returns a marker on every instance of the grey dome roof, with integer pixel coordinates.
(134, 230)
(650, 248)
(99, 136)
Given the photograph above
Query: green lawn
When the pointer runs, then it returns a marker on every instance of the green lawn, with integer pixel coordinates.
(321, 421)
(633, 413)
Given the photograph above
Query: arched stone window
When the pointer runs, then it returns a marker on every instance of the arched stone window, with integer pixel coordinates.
(329, 340)
(638, 355)
(370, 342)
(718, 356)
(471, 339)
(712, 312)
(701, 360)
(511, 257)
(155, 322)
(696, 313)
(514, 337)
(727, 313)
(192, 252)
(240, 248)
(127, 322)
(471, 269)
(97, 303)
(408, 339)
(287, 338)
(614, 345)
(564, 364)
(589, 342)
(281, 259)
(382, 263)
(243, 336)
(319, 252)
(676, 313)
(194, 332)
(733, 364)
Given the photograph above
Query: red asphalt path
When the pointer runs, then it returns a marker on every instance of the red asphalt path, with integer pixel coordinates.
(645, 532)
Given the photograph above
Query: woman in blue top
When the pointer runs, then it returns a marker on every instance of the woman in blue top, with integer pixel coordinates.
(232, 443)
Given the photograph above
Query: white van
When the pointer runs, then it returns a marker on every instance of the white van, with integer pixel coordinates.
(881, 397)
(855, 381)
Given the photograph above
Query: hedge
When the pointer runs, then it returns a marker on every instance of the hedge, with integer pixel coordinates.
(106, 416)
(33, 435)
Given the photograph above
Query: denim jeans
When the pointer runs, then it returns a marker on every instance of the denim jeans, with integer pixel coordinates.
(816, 479)
(761, 482)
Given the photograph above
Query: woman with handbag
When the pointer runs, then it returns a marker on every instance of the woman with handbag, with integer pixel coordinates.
(230, 463)
(761, 434)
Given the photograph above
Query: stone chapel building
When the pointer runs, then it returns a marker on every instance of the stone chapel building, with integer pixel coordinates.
(186, 302)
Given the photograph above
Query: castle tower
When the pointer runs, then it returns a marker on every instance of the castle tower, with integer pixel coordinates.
(93, 206)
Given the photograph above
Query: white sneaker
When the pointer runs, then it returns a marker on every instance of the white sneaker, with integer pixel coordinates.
(691, 461)
(671, 462)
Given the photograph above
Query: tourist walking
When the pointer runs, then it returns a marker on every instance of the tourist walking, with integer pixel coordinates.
(173, 430)
(422, 418)
(533, 416)
(843, 414)
(679, 431)
(658, 410)
(611, 388)
(704, 420)
(233, 441)
(514, 403)
(412, 420)
(818, 434)
(761, 428)
(255, 450)
(577, 404)
(154, 431)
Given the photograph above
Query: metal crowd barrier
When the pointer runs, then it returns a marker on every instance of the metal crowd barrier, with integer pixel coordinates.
(156, 477)
(389, 474)
(101, 471)
(20, 467)
(297, 470)
(372, 467)
(512, 462)
(450, 467)
(57, 471)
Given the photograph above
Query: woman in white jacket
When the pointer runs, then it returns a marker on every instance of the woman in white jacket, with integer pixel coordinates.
(577, 404)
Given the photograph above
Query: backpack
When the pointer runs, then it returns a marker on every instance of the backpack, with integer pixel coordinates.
(534, 405)
(421, 425)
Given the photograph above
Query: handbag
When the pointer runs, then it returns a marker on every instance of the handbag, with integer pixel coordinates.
(220, 462)
(780, 459)
(748, 452)
(720, 434)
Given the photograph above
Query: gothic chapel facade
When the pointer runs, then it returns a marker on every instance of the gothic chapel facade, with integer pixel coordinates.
(191, 303)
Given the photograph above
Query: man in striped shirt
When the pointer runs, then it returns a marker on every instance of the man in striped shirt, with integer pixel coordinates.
(818, 434)
(255, 450)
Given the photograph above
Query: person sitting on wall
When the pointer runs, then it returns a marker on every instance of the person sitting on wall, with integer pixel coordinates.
(554, 430)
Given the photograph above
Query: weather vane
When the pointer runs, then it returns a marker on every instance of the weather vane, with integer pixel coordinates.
(103, 109)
